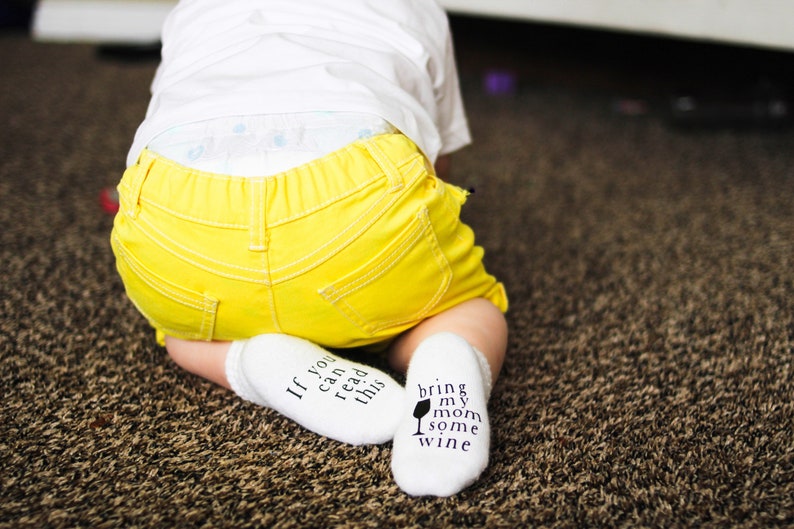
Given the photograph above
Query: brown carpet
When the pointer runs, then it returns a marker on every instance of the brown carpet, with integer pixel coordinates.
(649, 381)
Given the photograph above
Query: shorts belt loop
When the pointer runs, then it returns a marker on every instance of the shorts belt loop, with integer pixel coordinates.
(145, 163)
(257, 219)
(385, 163)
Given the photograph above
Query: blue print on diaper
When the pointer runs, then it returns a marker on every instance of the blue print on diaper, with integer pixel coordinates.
(239, 128)
(195, 153)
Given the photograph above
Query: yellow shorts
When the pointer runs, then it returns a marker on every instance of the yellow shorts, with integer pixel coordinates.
(349, 250)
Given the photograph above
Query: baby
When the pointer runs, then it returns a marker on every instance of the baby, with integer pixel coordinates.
(283, 199)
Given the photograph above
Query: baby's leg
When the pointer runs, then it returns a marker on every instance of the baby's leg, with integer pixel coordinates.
(205, 359)
(323, 392)
(442, 443)
(478, 321)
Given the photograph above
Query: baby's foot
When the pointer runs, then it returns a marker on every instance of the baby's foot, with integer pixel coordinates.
(442, 443)
(327, 394)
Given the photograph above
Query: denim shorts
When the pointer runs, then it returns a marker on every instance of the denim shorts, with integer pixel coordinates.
(349, 250)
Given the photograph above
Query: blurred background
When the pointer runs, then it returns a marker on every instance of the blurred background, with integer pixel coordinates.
(701, 63)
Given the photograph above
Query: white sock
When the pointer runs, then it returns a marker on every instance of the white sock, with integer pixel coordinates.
(322, 392)
(442, 443)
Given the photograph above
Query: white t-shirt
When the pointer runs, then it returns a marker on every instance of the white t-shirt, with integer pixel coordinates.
(388, 58)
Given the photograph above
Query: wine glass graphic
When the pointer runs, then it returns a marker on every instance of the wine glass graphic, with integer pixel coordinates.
(420, 410)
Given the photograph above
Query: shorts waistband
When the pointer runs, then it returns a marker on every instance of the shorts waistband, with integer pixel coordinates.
(248, 202)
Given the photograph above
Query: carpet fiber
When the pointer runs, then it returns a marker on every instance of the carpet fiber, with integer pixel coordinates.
(649, 379)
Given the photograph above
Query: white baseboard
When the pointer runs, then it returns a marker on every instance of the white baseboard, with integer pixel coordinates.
(101, 21)
(761, 23)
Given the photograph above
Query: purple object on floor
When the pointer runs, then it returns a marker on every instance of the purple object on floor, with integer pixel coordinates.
(500, 82)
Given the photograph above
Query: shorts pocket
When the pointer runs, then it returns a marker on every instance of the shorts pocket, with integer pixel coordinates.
(170, 308)
(399, 286)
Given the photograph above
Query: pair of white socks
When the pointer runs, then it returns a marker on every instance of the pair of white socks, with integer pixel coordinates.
(439, 422)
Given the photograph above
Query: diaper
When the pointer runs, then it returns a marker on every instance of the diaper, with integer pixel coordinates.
(265, 144)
